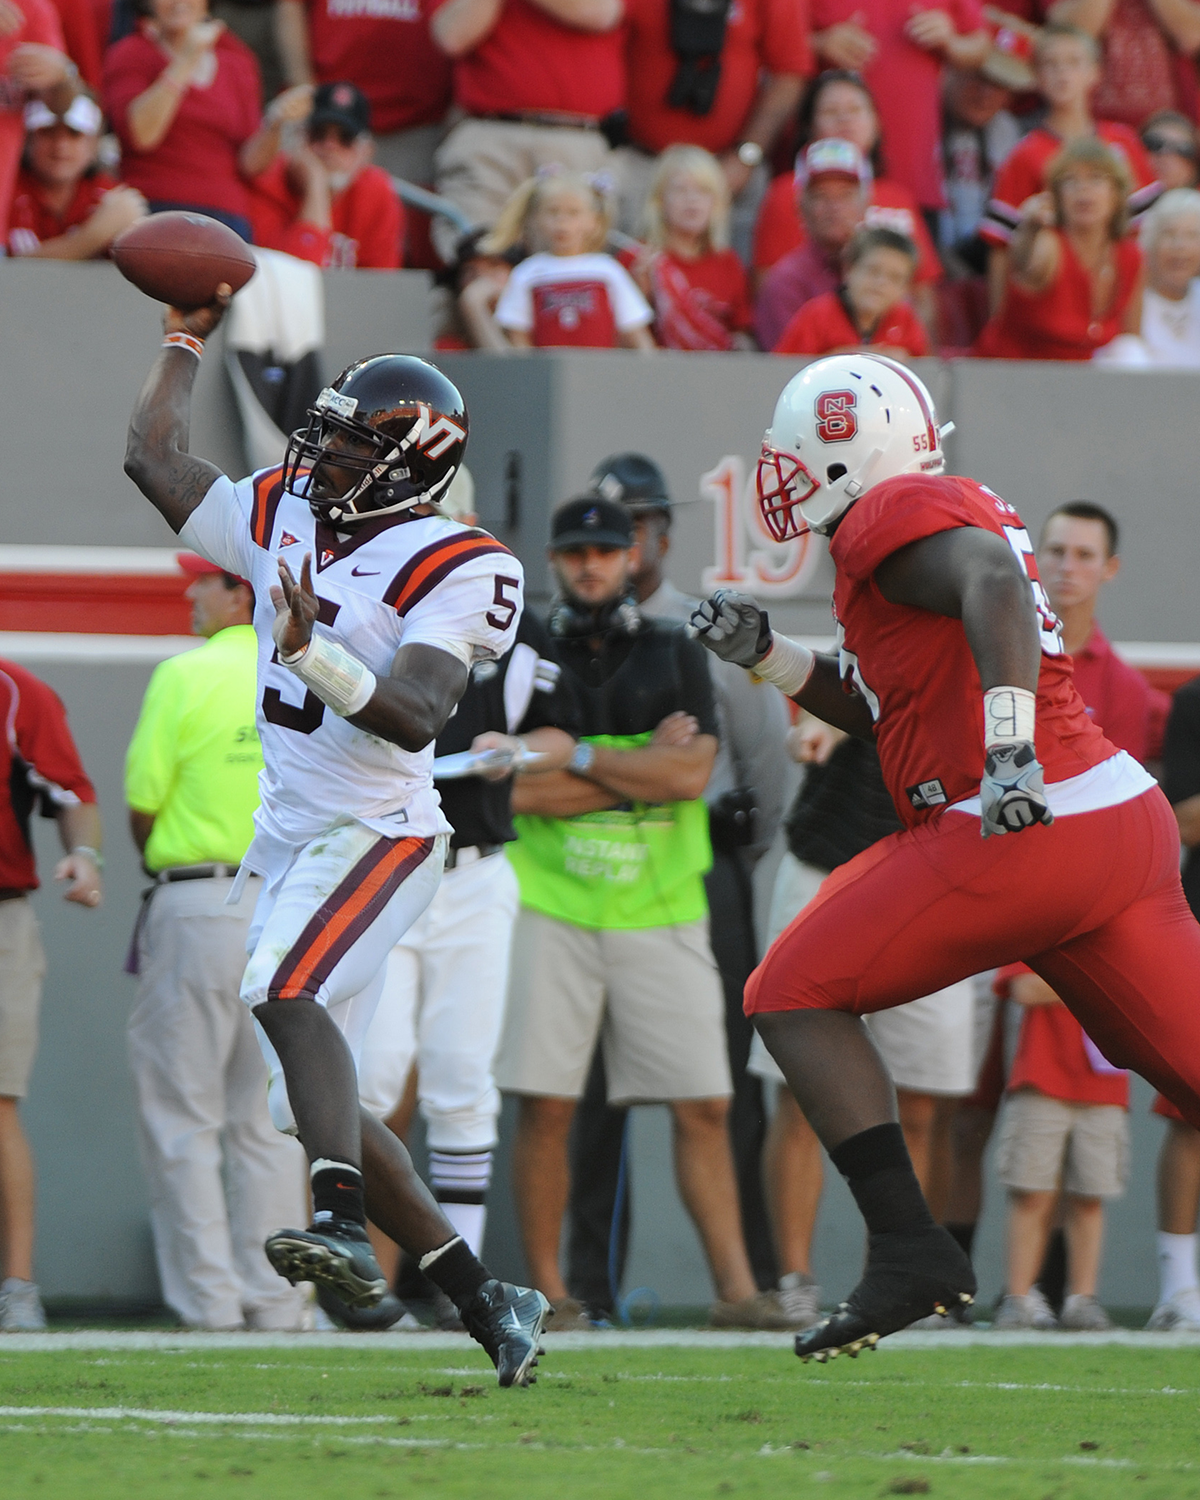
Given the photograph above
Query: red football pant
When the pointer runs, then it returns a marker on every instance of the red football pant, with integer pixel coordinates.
(1092, 903)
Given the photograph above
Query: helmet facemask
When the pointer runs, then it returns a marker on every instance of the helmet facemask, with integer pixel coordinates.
(371, 494)
(786, 491)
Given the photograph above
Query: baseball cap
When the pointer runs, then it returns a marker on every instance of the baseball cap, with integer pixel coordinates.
(341, 104)
(590, 521)
(832, 158)
(83, 115)
(1009, 61)
(196, 566)
(632, 480)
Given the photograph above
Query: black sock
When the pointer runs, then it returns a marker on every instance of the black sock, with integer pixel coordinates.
(878, 1171)
(458, 1271)
(964, 1234)
(337, 1189)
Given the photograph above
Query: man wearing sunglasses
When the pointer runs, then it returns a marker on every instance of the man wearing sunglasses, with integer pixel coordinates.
(321, 199)
(1170, 141)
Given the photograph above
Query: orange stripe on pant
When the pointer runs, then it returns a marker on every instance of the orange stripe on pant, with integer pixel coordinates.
(331, 932)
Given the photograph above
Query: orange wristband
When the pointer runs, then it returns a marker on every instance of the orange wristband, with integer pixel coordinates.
(185, 341)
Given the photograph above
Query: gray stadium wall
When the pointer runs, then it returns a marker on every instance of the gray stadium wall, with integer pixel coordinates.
(75, 342)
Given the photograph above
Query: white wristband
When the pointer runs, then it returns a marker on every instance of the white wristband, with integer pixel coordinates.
(1008, 715)
(337, 678)
(787, 664)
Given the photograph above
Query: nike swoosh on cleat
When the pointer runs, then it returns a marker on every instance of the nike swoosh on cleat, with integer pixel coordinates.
(364, 572)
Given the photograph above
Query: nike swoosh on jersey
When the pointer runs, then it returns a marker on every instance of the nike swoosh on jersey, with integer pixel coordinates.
(365, 572)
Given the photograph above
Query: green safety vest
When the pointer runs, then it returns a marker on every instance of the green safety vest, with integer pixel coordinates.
(642, 866)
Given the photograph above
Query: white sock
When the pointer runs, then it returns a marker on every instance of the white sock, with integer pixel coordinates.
(1176, 1264)
(455, 1175)
(468, 1220)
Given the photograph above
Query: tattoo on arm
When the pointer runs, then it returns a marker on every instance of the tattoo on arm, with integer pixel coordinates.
(156, 456)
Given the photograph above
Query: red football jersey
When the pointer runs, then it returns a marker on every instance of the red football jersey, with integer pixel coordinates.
(915, 668)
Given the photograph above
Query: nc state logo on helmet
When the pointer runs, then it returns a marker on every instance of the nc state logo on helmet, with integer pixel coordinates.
(840, 426)
(387, 435)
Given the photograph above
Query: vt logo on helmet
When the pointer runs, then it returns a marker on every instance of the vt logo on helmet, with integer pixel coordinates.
(388, 434)
(840, 426)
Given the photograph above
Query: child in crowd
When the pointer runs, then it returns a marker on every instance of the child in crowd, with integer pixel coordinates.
(1064, 1128)
(466, 293)
(870, 309)
(569, 292)
(695, 283)
(64, 207)
(322, 201)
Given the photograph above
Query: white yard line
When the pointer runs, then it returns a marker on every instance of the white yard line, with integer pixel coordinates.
(602, 1339)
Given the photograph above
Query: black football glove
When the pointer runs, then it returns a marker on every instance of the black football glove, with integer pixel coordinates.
(733, 627)
(1012, 794)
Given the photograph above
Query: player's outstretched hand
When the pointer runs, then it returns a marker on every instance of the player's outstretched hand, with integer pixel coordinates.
(733, 627)
(202, 320)
(296, 607)
(1012, 794)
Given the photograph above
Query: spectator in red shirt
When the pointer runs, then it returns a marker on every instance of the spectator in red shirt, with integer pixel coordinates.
(83, 37)
(869, 310)
(183, 96)
(900, 50)
(1063, 1128)
(835, 186)
(730, 89)
(838, 105)
(323, 201)
(1076, 557)
(1067, 68)
(1074, 277)
(39, 769)
(1149, 52)
(533, 79)
(695, 283)
(64, 207)
(568, 293)
(33, 64)
(384, 48)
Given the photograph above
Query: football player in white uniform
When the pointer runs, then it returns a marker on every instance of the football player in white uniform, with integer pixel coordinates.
(361, 662)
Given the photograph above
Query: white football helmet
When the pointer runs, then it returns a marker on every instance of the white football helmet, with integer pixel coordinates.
(842, 425)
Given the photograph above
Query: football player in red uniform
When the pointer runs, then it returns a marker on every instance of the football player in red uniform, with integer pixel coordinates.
(1027, 835)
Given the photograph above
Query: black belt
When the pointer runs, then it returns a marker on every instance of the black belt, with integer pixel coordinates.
(550, 119)
(483, 850)
(193, 872)
(12, 893)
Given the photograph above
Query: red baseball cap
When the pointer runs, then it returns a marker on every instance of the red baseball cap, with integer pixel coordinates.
(197, 567)
(832, 157)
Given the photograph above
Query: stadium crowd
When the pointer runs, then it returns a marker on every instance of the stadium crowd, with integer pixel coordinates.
(585, 967)
(802, 176)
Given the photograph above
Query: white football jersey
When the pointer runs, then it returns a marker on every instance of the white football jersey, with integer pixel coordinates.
(383, 584)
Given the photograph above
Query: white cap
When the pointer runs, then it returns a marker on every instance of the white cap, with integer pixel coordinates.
(833, 158)
(83, 116)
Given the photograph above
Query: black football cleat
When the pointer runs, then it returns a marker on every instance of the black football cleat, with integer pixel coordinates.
(508, 1320)
(333, 1253)
(908, 1276)
(386, 1312)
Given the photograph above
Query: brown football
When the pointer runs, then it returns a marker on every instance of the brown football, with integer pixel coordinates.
(181, 258)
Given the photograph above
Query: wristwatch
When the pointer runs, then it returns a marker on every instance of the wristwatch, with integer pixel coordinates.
(750, 154)
(581, 760)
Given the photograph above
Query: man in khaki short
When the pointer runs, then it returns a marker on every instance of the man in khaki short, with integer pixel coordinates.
(611, 943)
(42, 770)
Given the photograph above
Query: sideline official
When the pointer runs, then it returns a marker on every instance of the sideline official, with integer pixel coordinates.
(221, 1177)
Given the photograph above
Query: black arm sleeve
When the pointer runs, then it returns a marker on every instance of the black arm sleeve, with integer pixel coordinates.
(1181, 748)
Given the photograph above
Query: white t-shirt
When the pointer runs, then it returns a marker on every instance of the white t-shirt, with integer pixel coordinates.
(580, 301)
(1171, 330)
(382, 585)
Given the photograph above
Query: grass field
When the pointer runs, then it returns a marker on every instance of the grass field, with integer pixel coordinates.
(361, 1417)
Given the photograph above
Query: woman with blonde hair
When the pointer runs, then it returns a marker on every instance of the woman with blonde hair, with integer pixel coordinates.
(694, 281)
(568, 292)
(1074, 275)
